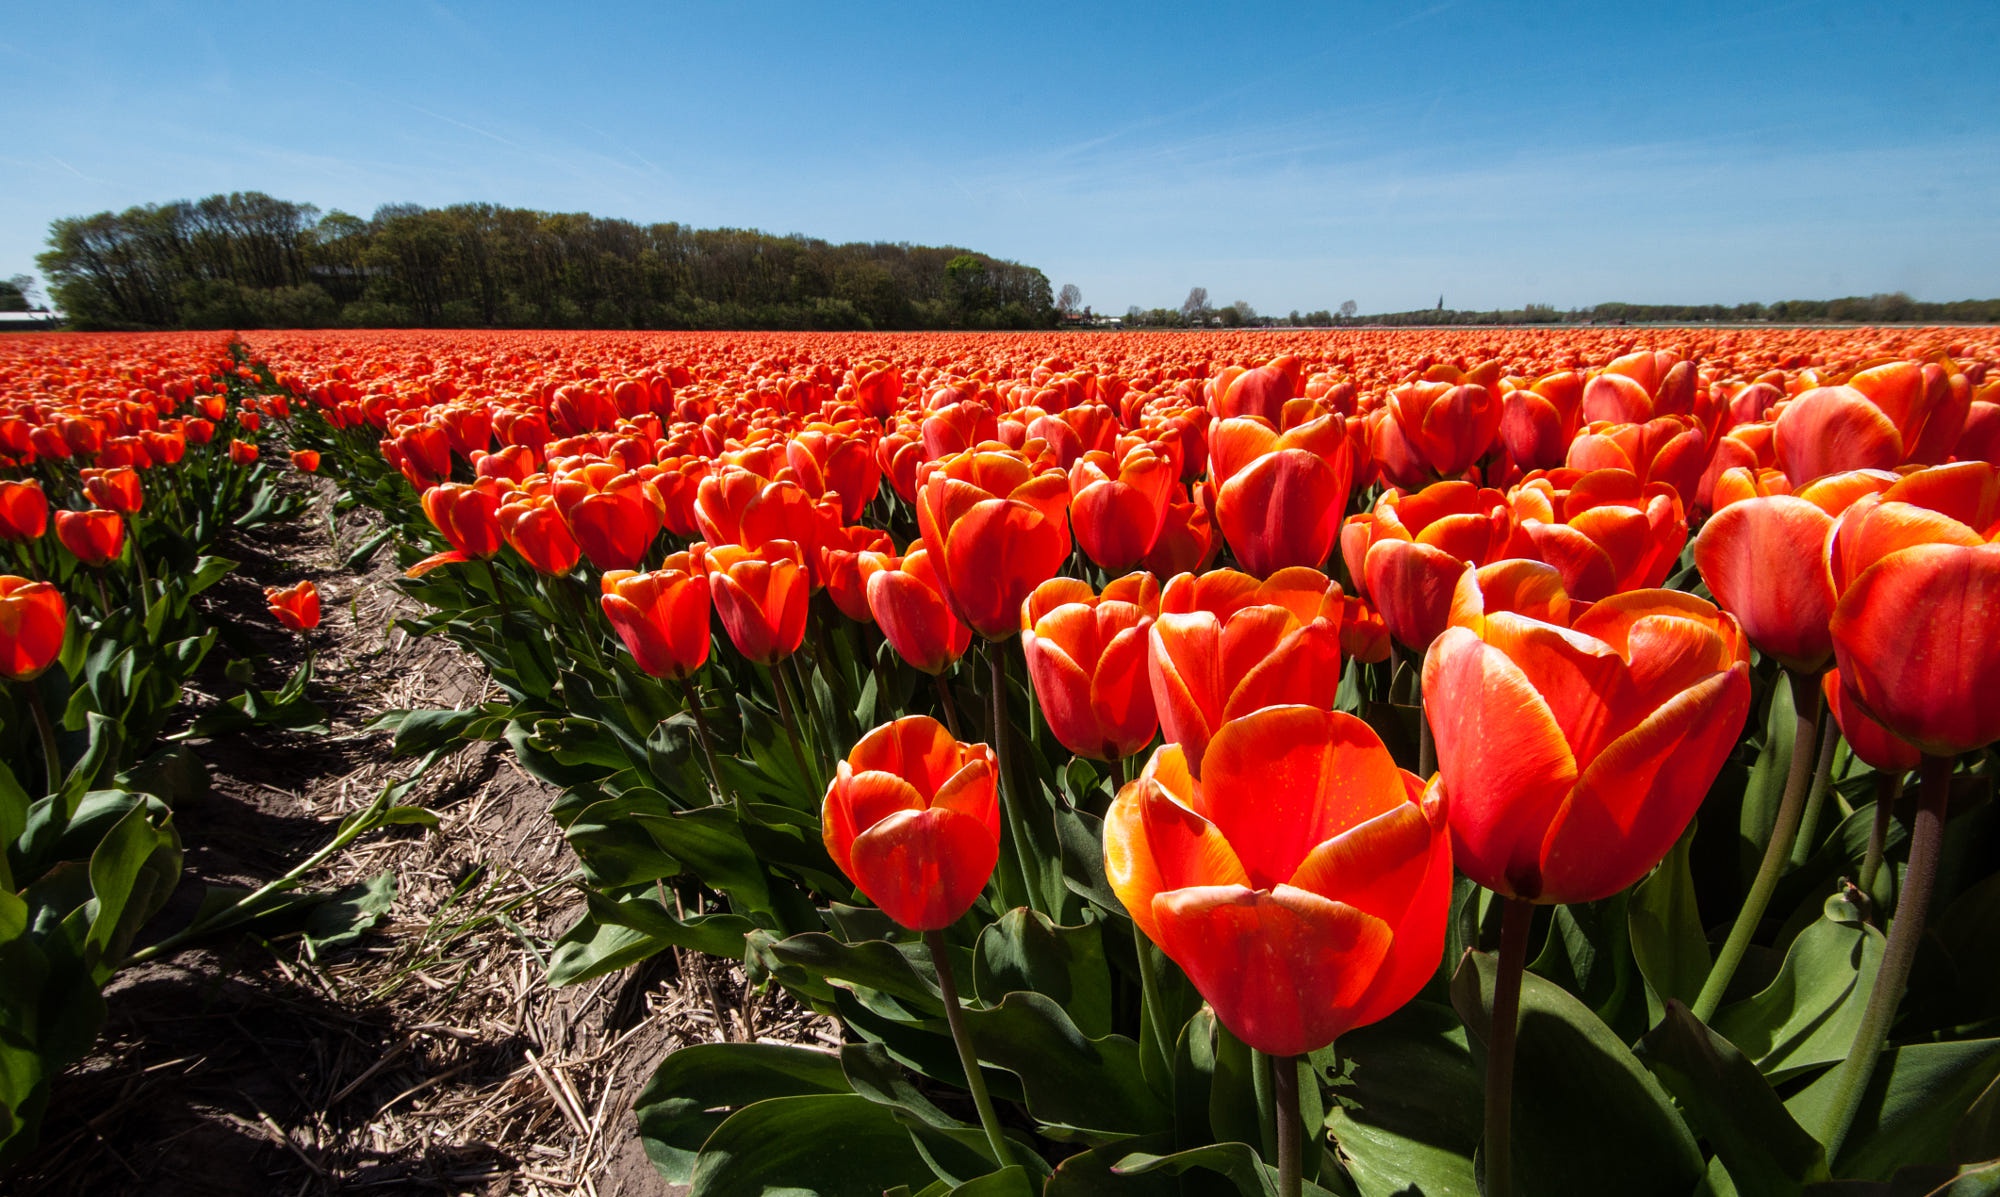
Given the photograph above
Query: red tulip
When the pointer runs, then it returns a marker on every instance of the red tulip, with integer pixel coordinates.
(116, 490)
(910, 607)
(761, 594)
(913, 819)
(306, 460)
(1669, 449)
(847, 558)
(33, 620)
(242, 453)
(1302, 882)
(1538, 422)
(1118, 505)
(1226, 644)
(536, 530)
(24, 510)
(662, 616)
(1279, 496)
(1575, 755)
(997, 527)
(1087, 658)
(297, 606)
(1406, 554)
(1449, 426)
(1916, 628)
(1186, 544)
(1605, 530)
(1830, 429)
(1877, 746)
(92, 537)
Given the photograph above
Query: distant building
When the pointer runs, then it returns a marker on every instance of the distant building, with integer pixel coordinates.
(29, 321)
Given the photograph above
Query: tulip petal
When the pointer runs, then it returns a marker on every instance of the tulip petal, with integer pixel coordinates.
(924, 868)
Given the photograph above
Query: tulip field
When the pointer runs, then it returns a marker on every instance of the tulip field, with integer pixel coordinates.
(1363, 763)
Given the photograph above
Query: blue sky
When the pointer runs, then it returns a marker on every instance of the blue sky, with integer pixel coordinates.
(1293, 157)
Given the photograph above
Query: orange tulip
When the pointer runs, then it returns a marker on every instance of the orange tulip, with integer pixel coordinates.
(306, 460)
(1087, 659)
(662, 616)
(1302, 882)
(761, 594)
(1574, 756)
(913, 819)
(242, 453)
(1605, 530)
(92, 537)
(1538, 422)
(24, 510)
(1669, 449)
(1450, 427)
(1118, 506)
(33, 620)
(536, 530)
(297, 607)
(614, 526)
(1279, 496)
(468, 517)
(1226, 644)
(997, 527)
(1406, 554)
(116, 490)
(1916, 628)
(848, 556)
(1876, 745)
(910, 607)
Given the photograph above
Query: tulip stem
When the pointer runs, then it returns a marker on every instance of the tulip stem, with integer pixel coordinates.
(1285, 1097)
(1427, 753)
(1926, 846)
(791, 720)
(1802, 846)
(1808, 705)
(1014, 860)
(46, 730)
(1888, 788)
(701, 733)
(967, 1058)
(139, 563)
(103, 595)
(950, 707)
(499, 593)
(1517, 920)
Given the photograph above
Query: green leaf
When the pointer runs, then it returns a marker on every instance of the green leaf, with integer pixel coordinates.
(1589, 953)
(901, 970)
(131, 874)
(1765, 790)
(1406, 1110)
(341, 919)
(365, 551)
(1068, 1077)
(1914, 1101)
(617, 933)
(686, 1098)
(1025, 950)
(1733, 1107)
(1806, 1017)
(833, 1145)
(1237, 1162)
(1588, 1117)
(1669, 944)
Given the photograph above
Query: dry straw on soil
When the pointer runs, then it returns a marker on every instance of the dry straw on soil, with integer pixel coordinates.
(432, 1057)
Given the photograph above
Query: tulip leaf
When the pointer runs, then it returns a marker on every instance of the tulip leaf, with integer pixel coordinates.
(1068, 1077)
(1733, 1107)
(1405, 1111)
(132, 872)
(615, 934)
(1915, 1101)
(1663, 919)
(1598, 1121)
(1806, 1017)
(684, 1100)
(1589, 953)
(831, 1145)
(1765, 789)
(1958, 980)
(903, 971)
(1089, 1173)
(1024, 950)
(1236, 1162)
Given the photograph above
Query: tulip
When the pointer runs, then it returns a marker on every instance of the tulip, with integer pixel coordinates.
(913, 819)
(997, 527)
(910, 607)
(92, 537)
(761, 595)
(1448, 426)
(297, 606)
(1226, 644)
(33, 620)
(849, 556)
(661, 616)
(1087, 659)
(242, 453)
(536, 530)
(1669, 449)
(24, 510)
(306, 460)
(1916, 631)
(1537, 423)
(116, 490)
(1119, 507)
(468, 517)
(1280, 496)
(1186, 542)
(1605, 530)
(615, 526)
(1301, 881)
(1406, 554)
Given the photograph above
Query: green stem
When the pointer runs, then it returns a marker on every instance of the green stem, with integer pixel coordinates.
(701, 734)
(139, 563)
(1285, 1096)
(103, 595)
(499, 592)
(950, 707)
(1427, 753)
(51, 758)
(1808, 704)
(1159, 1036)
(1926, 845)
(1517, 920)
(791, 719)
(1013, 871)
(1806, 840)
(1888, 788)
(967, 1058)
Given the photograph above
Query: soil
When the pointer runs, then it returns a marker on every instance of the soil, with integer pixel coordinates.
(431, 1057)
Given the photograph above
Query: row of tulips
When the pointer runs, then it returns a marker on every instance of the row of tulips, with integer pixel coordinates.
(1237, 867)
(122, 463)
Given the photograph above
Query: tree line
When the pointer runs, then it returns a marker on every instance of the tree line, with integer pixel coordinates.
(1891, 308)
(247, 260)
